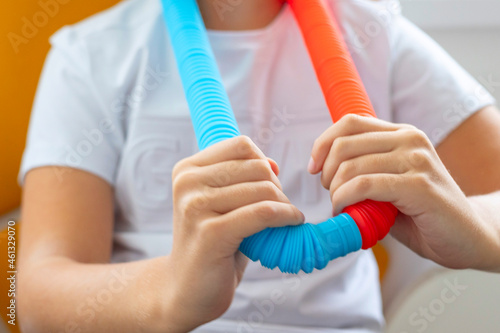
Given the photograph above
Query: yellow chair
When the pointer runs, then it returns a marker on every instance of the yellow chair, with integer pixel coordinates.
(25, 27)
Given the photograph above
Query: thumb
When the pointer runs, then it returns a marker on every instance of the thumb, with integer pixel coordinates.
(406, 232)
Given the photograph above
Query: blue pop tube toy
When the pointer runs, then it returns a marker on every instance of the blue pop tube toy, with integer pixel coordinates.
(292, 248)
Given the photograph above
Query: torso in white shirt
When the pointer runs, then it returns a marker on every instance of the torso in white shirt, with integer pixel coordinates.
(277, 102)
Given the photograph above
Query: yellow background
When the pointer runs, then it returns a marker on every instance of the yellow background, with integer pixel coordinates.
(20, 71)
(19, 76)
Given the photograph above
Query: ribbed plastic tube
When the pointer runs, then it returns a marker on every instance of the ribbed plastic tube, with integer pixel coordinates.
(291, 248)
(344, 93)
(211, 113)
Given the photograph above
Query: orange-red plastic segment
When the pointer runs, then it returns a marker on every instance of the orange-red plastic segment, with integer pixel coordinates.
(335, 69)
(344, 93)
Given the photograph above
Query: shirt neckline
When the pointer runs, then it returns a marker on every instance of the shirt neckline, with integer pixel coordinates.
(250, 37)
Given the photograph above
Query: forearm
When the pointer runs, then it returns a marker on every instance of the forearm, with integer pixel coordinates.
(486, 208)
(63, 295)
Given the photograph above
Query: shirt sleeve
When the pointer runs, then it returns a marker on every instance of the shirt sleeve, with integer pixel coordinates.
(70, 125)
(430, 90)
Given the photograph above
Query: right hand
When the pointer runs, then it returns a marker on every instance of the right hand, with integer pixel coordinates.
(221, 195)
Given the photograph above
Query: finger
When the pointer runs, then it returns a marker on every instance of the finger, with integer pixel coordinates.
(274, 166)
(240, 264)
(251, 219)
(406, 231)
(377, 187)
(347, 126)
(226, 199)
(237, 148)
(237, 171)
(386, 163)
(350, 147)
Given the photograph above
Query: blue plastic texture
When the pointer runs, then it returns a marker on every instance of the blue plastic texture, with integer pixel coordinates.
(211, 113)
(291, 248)
(303, 247)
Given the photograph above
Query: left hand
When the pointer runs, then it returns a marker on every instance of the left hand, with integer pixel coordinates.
(365, 158)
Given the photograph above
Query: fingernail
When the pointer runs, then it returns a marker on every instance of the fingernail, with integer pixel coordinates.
(311, 167)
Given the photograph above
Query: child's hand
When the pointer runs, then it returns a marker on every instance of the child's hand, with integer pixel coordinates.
(365, 158)
(221, 195)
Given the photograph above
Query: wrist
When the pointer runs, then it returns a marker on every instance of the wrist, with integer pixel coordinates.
(488, 234)
(168, 311)
(159, 299)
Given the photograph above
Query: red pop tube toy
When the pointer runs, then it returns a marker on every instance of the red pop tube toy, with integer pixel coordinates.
(292, 248)
(344, 94)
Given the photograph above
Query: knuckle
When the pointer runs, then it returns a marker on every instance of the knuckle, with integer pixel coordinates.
(185, 207)
(263, 168)
(244, 140)
(245, 146)
(261, 165)
(334, 196)
(317, 143)
(320, 141)
(392, 183)
(406, 127)
(402, 164)
(317, 146)
(344, 170)
(421, 181)
(419, 158)
(182, 207)
(350, 119)
(221, 177)
(418, 138)
(320, 146)
(183, 180)
(363, 184)
(233, 168)
(325, 180)
(177, 184)
(338, 146)
(179, 167)
(211, 228)
(193, 205)
(270, 190)
(267, 210)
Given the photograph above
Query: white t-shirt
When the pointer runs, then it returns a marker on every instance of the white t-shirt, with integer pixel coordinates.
(110, 102)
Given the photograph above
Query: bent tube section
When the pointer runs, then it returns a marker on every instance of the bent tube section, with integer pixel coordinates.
(291, 248)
